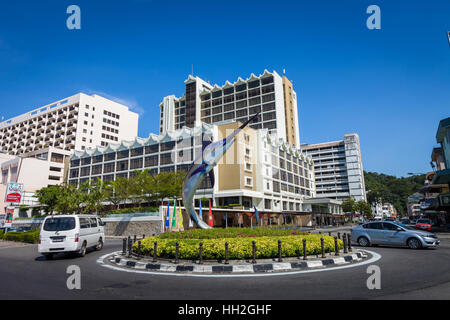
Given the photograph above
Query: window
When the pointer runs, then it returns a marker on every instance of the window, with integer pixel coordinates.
(123, 154)
(166, 158)
(152, 149)
(136, 163)
(59, 224)
(389, 226)
(108, 167)
(97, 169)
(122, 165)
(84, 223)
(374, 225)
(93, 222)
(248, 182)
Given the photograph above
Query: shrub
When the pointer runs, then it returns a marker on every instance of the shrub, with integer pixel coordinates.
(28, 237)
(239, 243)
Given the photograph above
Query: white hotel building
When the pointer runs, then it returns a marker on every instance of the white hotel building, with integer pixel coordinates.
(74, 123)
(338, 168)
(35, 147)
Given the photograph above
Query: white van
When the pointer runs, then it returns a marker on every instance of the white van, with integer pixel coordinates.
(70, 233)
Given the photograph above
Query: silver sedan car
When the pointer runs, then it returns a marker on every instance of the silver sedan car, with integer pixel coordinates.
(393, 234)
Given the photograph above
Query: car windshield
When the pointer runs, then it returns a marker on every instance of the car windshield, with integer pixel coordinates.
(59, 224)
(403, 226)
(423, 221)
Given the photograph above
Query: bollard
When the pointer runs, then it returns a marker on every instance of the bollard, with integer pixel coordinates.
(254, 251)
(349, 242)
(177, 247)
(304, 249)
(134, 239)
(129, 247)
(336, 249)
(320, 232)
(200, 259)
(139, 249)
(339, 235)
(329, 233)
(322, 247)
(124, 247)
(143, 236)
(344, 238)
(279, 251)
(226, 252)
(155, 248)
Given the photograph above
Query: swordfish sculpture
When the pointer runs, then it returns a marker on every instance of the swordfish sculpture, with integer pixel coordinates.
(203, 165)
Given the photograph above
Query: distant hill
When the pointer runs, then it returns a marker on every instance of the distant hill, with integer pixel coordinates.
(392, 189)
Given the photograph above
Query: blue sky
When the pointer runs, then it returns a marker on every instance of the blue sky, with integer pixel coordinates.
(391, 86)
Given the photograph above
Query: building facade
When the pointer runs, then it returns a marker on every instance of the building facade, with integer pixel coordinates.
(74, 123)
(338, 168)
(34, 170)
(259, 169)
(268, 93)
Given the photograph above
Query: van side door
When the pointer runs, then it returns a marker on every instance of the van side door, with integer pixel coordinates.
(94, 232)
(85, 227)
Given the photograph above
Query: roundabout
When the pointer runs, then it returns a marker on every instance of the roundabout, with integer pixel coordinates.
(263, 267)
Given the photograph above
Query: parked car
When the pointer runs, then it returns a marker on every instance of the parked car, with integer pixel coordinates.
(70, 234)
(394, 234)
(423, 224)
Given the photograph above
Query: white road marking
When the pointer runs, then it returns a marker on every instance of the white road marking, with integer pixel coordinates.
(375, 257)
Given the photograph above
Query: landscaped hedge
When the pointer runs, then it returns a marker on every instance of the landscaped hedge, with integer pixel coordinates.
(28, 237)
(239, 243)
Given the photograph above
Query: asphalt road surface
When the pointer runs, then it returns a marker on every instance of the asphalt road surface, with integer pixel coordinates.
(405, 274)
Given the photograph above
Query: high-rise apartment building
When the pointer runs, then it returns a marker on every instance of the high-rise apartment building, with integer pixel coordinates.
(269, 93)
(338, 168)
(74, 123)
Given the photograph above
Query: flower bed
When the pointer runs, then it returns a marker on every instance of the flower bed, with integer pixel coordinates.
(239, 243)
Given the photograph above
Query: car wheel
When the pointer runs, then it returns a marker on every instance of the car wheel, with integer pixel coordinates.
(414, 243)
(48, 256)
(82, 251)
(99, 245)
(363, 242)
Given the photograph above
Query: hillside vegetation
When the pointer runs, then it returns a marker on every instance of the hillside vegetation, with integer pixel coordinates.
(392, 189)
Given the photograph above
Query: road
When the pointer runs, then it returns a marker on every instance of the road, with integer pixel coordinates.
(405, 274)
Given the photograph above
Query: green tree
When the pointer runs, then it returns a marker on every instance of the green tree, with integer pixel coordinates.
(110, 194)
(349, 205)
(48, 196)
(69, 200)
(384, 188)
(93, 199)
(364, 208)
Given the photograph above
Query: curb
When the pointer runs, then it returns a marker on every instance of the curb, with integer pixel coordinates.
(135, 264)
